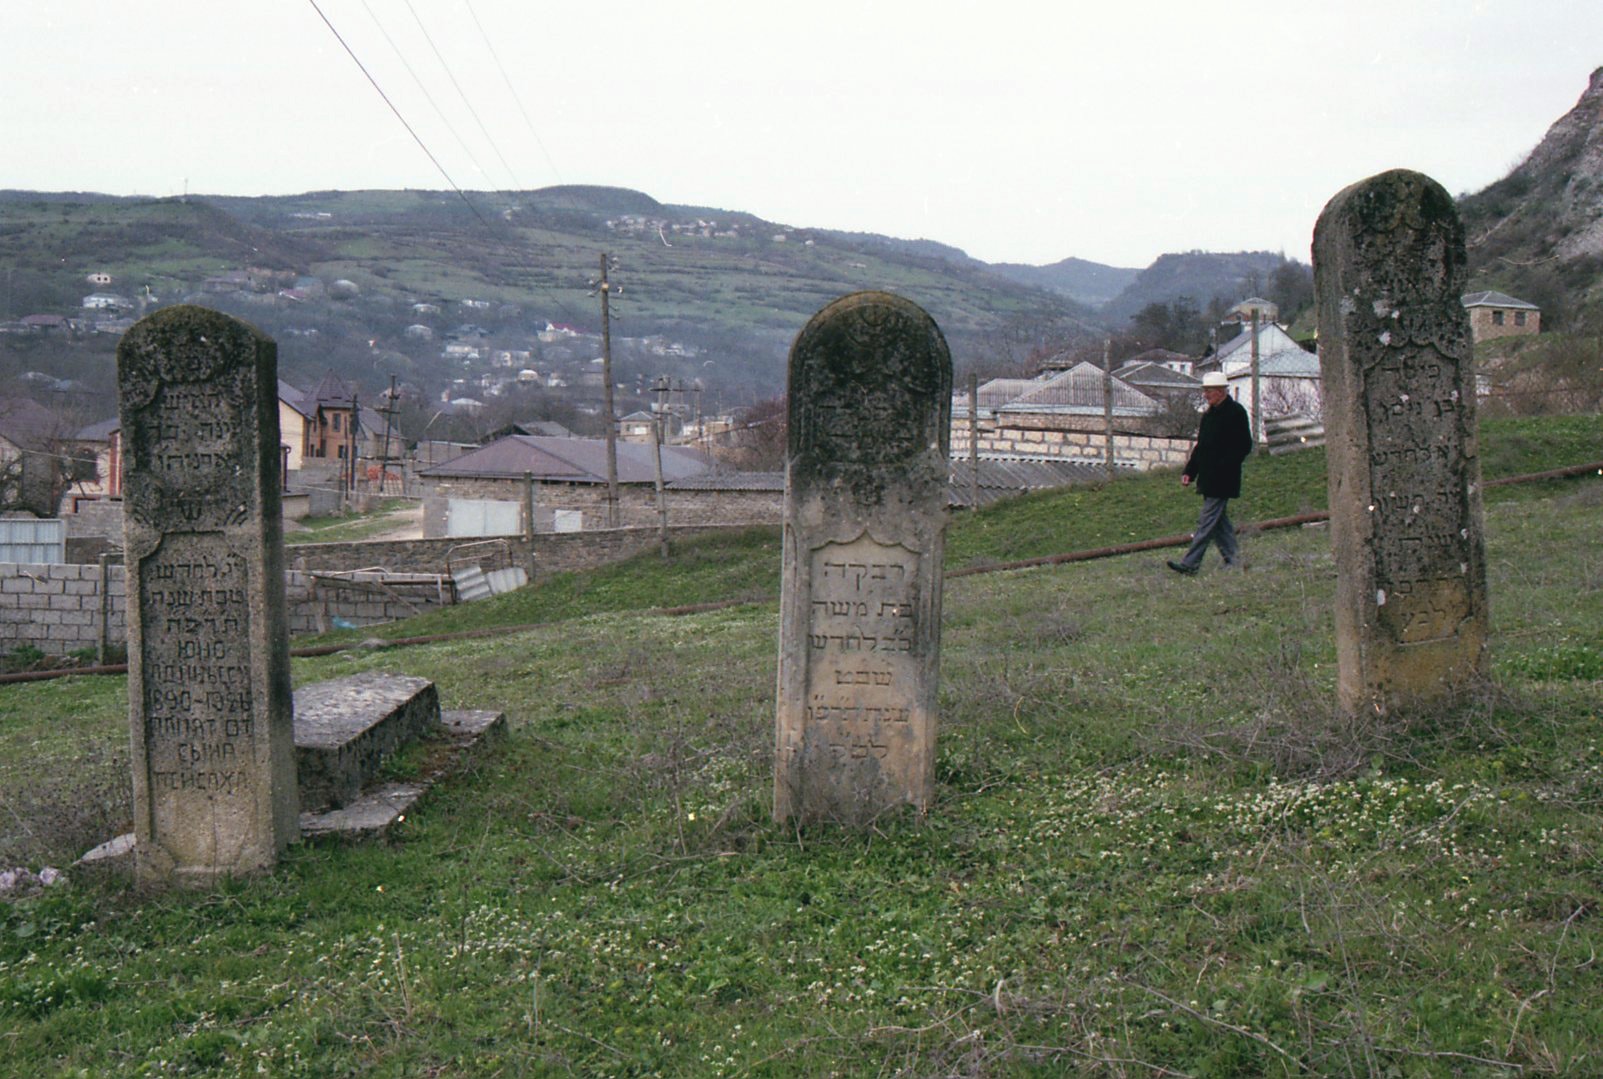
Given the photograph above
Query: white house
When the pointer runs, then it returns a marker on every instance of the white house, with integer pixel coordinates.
(1288, 374)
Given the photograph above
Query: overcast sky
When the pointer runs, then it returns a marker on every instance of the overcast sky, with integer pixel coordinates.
(1022, 132)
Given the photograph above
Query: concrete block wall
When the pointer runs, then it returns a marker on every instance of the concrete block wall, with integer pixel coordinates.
(551, 552)
(57, 608)
(317, 604)
(1142, 451)
(637, 504)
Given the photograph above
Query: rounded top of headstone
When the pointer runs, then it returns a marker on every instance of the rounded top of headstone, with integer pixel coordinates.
(1389, 203)
(870, 385)
(184, 343)
(1389, 262)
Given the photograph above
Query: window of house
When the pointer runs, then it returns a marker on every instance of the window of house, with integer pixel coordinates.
(1519, 318)
(336, 416)
(1497, 318)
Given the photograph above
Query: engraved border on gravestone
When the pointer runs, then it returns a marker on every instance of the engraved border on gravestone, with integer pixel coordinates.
(209, 692)
(1404, 474)
(866, 476)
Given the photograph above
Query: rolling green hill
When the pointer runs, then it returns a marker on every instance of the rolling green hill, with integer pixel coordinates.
(731, 287)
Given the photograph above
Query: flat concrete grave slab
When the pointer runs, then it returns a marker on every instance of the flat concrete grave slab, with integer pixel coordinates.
(346, 728)
(461, 737)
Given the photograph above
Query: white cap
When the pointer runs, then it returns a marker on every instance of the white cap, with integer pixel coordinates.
(1215, 380)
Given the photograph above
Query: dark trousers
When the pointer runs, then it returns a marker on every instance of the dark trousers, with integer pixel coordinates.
(1213, 527)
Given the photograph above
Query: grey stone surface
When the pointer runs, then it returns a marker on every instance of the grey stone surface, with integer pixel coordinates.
(346, 728)
(1404, 473)
(209, 689)
(465, 734)
(865, 516)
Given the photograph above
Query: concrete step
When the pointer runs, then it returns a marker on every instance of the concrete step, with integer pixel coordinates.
(458, 743)
(346, 728)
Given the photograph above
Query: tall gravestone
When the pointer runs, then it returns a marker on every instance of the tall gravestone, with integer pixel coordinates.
(870, 400)
(1399, 402)
(208, 648)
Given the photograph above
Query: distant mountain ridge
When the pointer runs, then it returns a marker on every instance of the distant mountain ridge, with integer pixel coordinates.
(1089, 282)
(1202, 276)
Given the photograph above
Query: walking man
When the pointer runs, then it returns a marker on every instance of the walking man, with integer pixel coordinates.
(1224, 438)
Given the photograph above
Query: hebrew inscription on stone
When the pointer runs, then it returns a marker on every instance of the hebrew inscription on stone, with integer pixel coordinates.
(860, 639)
(859, 650)
(209, 697)
(1399, 404)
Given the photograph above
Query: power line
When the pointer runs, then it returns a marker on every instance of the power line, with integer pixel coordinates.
(425, 91)
(415, 138)
(514, 92)
(516, 183)
(514, 253)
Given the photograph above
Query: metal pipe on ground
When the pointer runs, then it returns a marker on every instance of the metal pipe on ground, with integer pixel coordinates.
(1295, 521)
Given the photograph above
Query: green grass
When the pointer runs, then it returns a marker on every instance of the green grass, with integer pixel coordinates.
(344, 528)
(1154, 845)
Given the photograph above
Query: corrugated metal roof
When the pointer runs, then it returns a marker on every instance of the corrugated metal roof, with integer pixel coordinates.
(570, 460)
(999, 391)
(1496, 299)
(1155, 374)
(731, 481)
(1006, 477)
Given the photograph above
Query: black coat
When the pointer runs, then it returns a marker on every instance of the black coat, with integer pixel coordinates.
(1224, 438)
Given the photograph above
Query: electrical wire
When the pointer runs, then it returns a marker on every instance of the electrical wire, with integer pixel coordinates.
(415, 137)
(425, 91)
(516, 183)
(555, 172)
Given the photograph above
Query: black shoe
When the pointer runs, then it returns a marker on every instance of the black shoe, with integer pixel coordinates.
(1182, 569)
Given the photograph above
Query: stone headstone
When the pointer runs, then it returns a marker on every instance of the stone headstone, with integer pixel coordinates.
(870, 397)
(208, 648)
(1399, 409)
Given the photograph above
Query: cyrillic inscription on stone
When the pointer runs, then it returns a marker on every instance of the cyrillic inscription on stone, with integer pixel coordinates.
(199, 735)
(1399, 403)
(209, 696)
(870, 401)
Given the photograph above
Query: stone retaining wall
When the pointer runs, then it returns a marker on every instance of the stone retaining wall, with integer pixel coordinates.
(554, 552)
(1140, 451)
(58, 608)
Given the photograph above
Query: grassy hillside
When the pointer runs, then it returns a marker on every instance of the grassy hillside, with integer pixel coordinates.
(1154, 850)
(735, 288)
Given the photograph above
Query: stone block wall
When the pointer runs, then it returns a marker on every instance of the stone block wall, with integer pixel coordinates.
(1140, 451)
(57, 608)
(1488, 322)
(318, 603)
(637, 504)
(553, 552)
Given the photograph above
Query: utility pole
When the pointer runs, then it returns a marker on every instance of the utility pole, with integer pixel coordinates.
(662, 388)
(389, 425)
(1257, 384)
(350, 442)
(1107, 401)
(606, 384)
(974, 440)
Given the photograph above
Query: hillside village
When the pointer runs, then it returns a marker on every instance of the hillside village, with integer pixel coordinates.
(341, 451)
(553, 632)
(489, 414)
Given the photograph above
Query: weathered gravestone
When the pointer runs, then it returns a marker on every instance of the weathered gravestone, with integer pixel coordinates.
(1399, 410)
(208, 647)
(865, 511)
